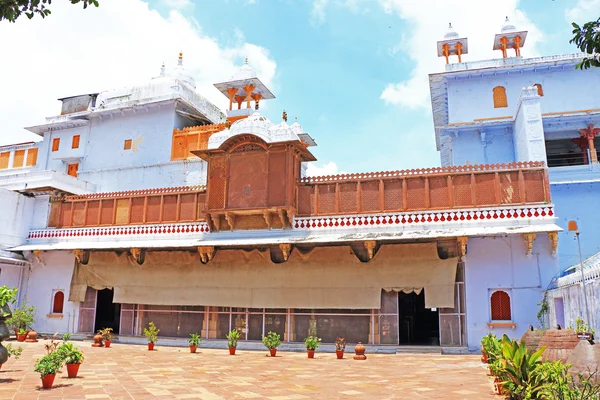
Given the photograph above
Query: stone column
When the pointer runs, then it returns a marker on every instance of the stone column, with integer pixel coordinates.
(529, 130)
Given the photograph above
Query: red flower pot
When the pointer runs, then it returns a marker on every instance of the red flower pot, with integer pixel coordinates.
(339, 354)
(150, 346)
(21, 338)
(311, 353)
(0, 366)
(273, 352)
(232, 351)
(107, 343)
(47, 381)
(72, 370)
(192, 348)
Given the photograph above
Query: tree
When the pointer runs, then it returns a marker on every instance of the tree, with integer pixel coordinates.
(587, 39)
(13, 9)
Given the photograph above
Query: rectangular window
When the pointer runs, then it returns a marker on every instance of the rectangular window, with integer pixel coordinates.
(4, 157)
(31, 157)
(127, 145)
(75, 142)
(55, 144)
(19, 159)
(72, 169)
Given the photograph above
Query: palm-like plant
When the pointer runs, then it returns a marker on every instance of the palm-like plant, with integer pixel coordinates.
(520, 370)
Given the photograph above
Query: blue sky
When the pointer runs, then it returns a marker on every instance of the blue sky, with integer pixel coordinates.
(353, 71)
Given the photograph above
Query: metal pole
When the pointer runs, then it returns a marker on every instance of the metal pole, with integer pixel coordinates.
(587, 310)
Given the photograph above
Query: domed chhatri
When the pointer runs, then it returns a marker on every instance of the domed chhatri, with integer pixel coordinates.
(244, 72)
(509, 38)
(181, 73)
(452, 45)
(508, 26)
(450, 33)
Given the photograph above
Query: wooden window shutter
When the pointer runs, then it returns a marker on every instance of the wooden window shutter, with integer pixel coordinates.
(75, 142)
(31, 157)
(500, 304)
(55, 144)
(500, 97)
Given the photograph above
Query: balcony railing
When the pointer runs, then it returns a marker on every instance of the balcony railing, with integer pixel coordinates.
(431, 189)
(151, 206)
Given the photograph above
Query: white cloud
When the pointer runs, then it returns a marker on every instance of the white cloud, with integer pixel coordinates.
(317, 14)
(330, 168)
(76, 51)
(584, 11)
(178, 4)
(427, 22)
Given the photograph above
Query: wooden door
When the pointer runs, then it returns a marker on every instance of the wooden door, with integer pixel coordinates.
(72, 169)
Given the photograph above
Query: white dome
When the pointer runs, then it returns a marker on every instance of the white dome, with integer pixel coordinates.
(255, 124)
(297, 128)
(282, 132)
(451, 33)
(508, 26)
(245, 72)
(178, 73)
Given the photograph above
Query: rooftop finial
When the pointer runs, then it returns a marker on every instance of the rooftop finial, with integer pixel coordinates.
(284, 116)
(180, 61)
(162, 69)
(246, 62)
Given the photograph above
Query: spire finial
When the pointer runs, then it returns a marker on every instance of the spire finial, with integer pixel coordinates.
(180, 60)
(284, 116)
(162, 69)
(449, 25)
(246, 62)
(296, 119)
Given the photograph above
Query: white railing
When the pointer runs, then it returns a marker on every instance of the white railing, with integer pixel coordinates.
(575, 277)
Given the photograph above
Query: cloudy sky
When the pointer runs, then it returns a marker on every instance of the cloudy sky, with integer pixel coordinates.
(354, 72)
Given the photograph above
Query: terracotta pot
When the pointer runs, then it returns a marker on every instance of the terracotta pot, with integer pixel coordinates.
(0, 366)
(107, 343)
(47, 381)
(97, 340)
(72, 370)
(193, 348)
(339, 354)
(150, 346)
(359, 351)
(31, 336)
(232, 351)
(311, 353)
(21, 338)
(273, 352)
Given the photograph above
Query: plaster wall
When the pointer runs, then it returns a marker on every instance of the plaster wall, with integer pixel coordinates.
(564, 90)
(41, 210)
(53, 272)
(500, 263)
(576, 201)
(496, 146)
(573, 305)
(16, 218)
(10, 275)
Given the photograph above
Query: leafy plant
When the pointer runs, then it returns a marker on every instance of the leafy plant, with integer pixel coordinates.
(66, 337)
(233, 337)
(13, 9)
(107, 333)
(22, 318)
(491, 347)
(14, 351)
(312, 342)
(521, 370)
(51, 345)
(582, 326)
(49, 364)
(272, 340)
(7, 295)
(543, 311)
(587, 39)
(194, 339)
(340, 343)
(69, 354)
(151, 333)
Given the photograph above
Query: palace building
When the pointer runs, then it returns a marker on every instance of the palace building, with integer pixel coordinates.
(149, 203)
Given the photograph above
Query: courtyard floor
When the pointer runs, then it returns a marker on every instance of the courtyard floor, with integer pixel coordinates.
(132, 372)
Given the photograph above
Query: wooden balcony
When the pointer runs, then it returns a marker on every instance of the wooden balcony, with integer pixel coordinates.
(443, 188)
(152, 206)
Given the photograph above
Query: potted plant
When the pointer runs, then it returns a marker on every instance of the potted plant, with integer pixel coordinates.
(583, 330)
(271, 342)
(72, 357)
(312, 343)
(106, 335)
(232, 340)
(22, 320)
(47, 367)
(13, 351)
(151, 333)
(340, 346)
(194, 341)
(7, 296)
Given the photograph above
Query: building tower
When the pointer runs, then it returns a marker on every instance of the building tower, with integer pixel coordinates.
(509, 38)
(452, 45)
(242, 88)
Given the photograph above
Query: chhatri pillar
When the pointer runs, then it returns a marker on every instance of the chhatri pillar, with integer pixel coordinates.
(589, 133)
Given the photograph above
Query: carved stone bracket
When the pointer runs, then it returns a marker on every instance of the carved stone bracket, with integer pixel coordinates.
(286, 248)
(82, 256)
(370, 246)
(553, 236)
(206, 253)
(461, 241)
(139, 255)
(529, 238)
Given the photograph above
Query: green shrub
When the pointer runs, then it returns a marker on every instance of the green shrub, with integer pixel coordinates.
(151, 333)
(312, 342)
(49, 364)
(233, 337)
(272, 340)
(520, 371)
(194, 339)
(69, 354)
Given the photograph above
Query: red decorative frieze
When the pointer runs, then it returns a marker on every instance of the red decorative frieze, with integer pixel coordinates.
(116, 231)
(411, 218)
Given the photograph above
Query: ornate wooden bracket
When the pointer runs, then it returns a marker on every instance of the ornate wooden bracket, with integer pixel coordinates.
(206, 253)
(230, 220)
(529, 238)
(82, 256)
(37, 254)
(139, 255)
(370, 246)
(286, 248)
(462, 245)
(553, 236)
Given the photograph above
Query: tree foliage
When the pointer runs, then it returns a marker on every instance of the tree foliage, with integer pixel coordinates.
(12, 9)
(587, 39)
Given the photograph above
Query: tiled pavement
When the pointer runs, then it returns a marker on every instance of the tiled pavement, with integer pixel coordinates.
(130, 371)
